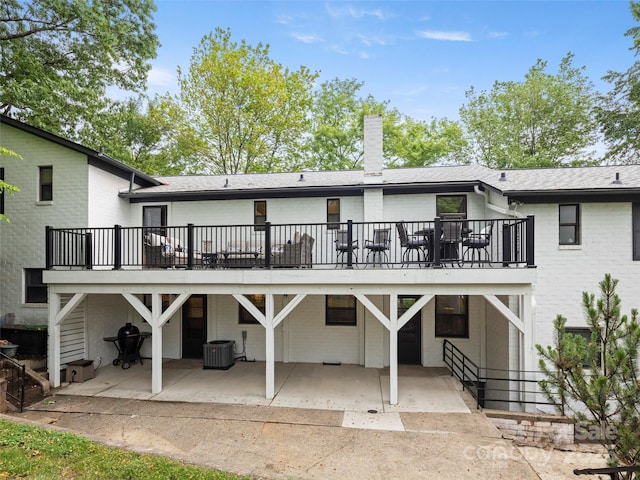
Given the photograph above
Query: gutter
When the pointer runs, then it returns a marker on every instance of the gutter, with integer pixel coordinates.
(501, 210)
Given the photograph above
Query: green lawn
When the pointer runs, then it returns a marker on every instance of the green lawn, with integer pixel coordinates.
(40, 453)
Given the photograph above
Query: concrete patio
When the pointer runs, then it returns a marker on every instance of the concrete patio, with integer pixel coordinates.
(350, 388)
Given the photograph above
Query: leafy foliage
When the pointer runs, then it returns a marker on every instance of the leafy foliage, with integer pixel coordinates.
(546, 121)
(337, 131)
(137, 132)
(4, 186)
(596, 381)
(619, 110)
(240, 111)
(58, 57)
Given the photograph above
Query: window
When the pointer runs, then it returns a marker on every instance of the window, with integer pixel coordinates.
(586, 334)
(155, 217)
(1, 192)
(635, 218)
(244, 316)
(340, 310)
(569, 224)
(452, 318)
(259, 215)
(46, 184)
(35, 291)
(451, 206)
(333, 213)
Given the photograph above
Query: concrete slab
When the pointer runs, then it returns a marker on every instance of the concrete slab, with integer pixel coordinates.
(331, 387)
(297, 385)
(243, 384)
(424, 394)
(373, 421)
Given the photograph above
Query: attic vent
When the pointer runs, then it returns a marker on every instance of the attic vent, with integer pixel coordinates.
(226, 183)
(503, 177)
(617, 181)
(301, 179)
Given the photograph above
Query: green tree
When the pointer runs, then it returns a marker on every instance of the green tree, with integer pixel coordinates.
(596, 381)
(242, 111)
(336, 140)
(545, 121)
(4, 186)
(420, 143)
(58, 57)
(619, 111)
(138, 132)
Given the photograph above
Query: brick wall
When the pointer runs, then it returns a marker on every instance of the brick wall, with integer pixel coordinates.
(22, 241)
(535, 430)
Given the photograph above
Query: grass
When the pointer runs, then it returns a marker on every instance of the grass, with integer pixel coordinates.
(38, 453)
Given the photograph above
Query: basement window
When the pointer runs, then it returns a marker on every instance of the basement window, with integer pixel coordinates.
(35, 290)
(244, 317)
(452, 316)
(340, 310)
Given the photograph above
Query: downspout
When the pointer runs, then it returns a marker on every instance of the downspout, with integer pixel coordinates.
(504, 211)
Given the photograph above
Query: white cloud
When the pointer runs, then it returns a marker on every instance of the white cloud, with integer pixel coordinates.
(368, 41)
(497, 34)
(363, 55)
(338, 49)
(307, 37)
(161, 77)
(284, 19)
(352, 12)
(447, 36)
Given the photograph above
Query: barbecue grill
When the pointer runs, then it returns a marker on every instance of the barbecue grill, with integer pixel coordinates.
(128, 342)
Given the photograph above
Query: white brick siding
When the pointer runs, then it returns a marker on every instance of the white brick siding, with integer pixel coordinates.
(22, 241)
(105, 207)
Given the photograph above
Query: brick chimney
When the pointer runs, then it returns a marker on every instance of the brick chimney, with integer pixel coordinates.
(372, 148)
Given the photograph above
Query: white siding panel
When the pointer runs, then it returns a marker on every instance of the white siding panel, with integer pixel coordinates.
(73, 335)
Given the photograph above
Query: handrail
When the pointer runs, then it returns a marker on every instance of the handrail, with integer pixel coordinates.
(305, 245)
(465, 370)
(17, 394)
(480, 385)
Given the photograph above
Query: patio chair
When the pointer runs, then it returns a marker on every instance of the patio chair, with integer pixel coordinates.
(298, 254)
(451, 240)
(379, 246)
(476, 246)
(412, 243)
(343, 247)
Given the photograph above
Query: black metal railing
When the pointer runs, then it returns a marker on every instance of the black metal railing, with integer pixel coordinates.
(442, 242)
(492, 385)
(15, 374)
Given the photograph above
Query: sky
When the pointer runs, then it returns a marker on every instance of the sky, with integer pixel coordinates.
(421, 56)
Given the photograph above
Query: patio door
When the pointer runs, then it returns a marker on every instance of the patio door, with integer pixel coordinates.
(410, 335)
(194, 326)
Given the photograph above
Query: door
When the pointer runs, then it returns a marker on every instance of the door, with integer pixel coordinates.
(409, 336)
(194, 326)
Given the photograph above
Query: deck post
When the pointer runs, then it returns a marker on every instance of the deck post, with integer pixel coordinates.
(54, 339)
(269, 347)
(393, 349)
(156, 343)
(117, 247)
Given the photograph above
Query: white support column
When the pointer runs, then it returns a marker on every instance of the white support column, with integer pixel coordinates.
(54, 339)
(527, 313)
(393, 349)
(156, 343)
(270, 346)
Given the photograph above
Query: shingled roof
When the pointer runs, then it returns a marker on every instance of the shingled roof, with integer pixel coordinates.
(513, 183)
